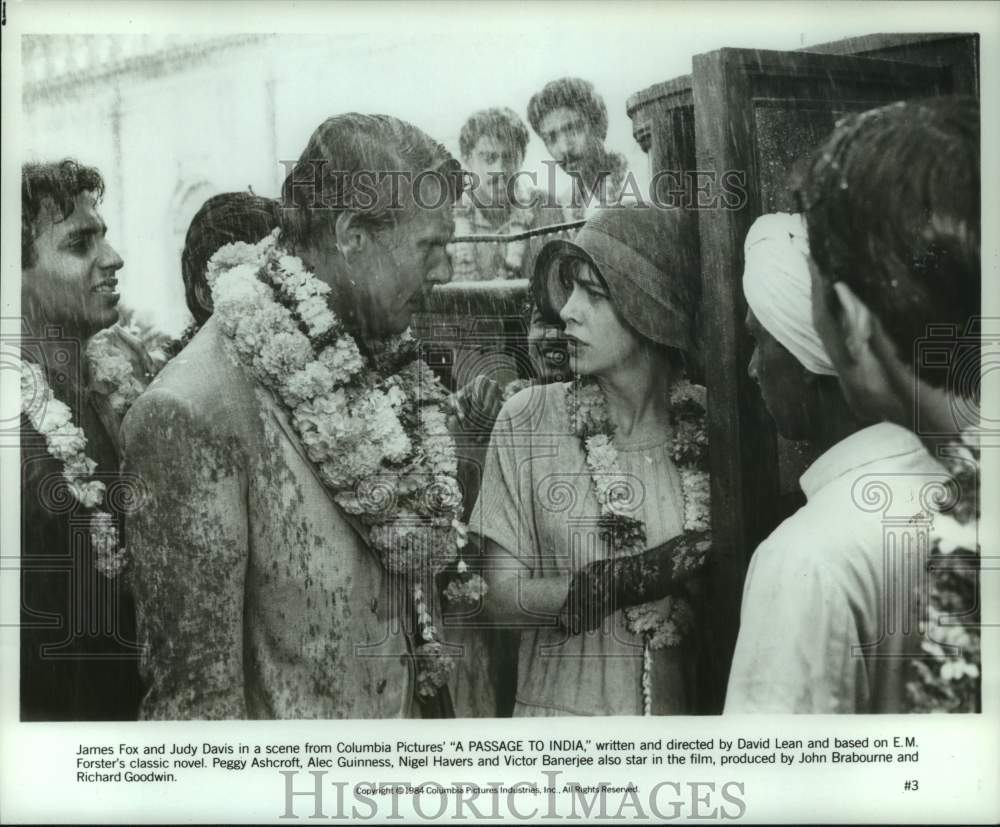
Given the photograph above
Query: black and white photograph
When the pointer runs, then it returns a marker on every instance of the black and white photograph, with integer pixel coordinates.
(374, 368)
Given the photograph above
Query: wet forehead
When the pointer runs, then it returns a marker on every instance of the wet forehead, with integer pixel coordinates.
(560, 120)
(490, 144)
(754, 327)
(761, 334)
(84, 217)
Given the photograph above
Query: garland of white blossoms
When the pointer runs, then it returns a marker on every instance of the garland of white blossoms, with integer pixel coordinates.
(111, 373)
(376, 428)
(948, 677)
(664, 622)
(67, 443)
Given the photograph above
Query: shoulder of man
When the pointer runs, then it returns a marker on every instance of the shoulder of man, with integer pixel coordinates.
(842, 529)
(536, 209)
(627, 187)
(203, 386)
(803, 544)
(619, 165)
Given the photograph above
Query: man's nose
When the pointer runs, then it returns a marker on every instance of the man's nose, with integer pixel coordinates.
(109, 258)
(440, 274)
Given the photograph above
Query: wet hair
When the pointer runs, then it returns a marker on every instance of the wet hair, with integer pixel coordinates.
(892, 204)
(500, 123)
(360, 163)
(58, 184)
(571, 93)
(221, 220)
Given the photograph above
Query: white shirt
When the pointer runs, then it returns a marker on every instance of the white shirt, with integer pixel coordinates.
(828, 621)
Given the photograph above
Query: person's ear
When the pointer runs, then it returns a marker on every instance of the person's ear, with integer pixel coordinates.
(353, 237)
(855, 321)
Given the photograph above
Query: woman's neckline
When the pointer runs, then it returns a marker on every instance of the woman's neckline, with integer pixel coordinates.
(626, 445)
(631, 446)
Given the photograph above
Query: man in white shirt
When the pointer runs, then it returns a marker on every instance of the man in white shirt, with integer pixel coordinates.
(892, 204)
(826, 615)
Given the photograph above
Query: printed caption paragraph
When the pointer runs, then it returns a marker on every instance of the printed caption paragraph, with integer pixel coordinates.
(168, 762)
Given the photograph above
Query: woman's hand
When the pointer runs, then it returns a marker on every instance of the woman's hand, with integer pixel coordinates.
(604, 586)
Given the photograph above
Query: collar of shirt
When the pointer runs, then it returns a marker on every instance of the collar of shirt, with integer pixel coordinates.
(864, 447)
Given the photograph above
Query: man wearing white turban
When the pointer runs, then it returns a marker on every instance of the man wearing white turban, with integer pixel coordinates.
(796, 378)
(813, 636)
(777, 287)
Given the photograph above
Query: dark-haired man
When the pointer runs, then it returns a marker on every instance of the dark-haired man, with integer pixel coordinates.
(892, 205)
(819, 590)
(572, 120)
(257, 595)
(78, 651)
(838, 598)
(497, 201)
(221, 220)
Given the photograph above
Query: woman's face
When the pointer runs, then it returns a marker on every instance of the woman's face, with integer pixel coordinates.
(599, 342)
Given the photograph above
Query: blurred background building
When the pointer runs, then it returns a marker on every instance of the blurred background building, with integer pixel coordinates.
(172, 119)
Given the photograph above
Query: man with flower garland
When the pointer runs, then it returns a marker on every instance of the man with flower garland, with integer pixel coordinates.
(78, 652)
(835, 609)
(301, 475)
(819, 587)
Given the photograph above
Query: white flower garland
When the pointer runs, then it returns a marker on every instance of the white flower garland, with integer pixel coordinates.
(67, 443)
(664, 622)
(948, 676)
(111, 372)
(375, 428)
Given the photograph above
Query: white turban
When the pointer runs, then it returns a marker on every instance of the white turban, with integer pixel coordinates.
(777, 287)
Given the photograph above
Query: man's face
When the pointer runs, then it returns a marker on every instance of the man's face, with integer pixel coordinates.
(389, 278)
(547, 349)
(569, 138)
(73, 280)
(493, 161)
(782, 380)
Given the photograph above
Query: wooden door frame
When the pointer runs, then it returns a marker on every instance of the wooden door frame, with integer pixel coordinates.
(743, 440)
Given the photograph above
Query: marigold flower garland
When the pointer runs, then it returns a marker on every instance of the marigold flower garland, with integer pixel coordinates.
(665, 622)
(67, 443)
(375, 427)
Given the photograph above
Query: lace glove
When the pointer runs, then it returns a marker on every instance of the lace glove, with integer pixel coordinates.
(604, 586)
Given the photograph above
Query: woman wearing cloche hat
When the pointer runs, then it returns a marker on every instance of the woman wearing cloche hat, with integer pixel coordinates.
(593, 512)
